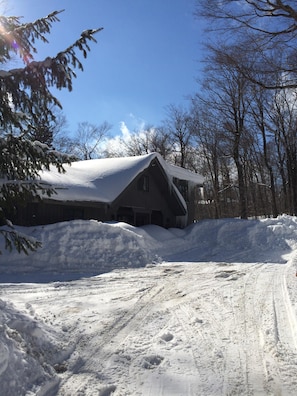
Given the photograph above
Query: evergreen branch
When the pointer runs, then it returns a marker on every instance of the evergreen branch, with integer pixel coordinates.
(20, 38)
(29, 158)
(26, 90)
(19, 241)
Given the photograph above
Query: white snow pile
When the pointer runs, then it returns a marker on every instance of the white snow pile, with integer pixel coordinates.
(94, 247)
(30, 352)
(111, 309)
(264, 240)
(79, 246)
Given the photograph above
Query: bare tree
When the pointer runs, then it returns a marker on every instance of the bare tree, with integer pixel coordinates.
(139, 142)
(178, 126)
(88, 138)
(206, 133)
(147, 140)
(265, 27)
(160, 142)
(284, 118)
(260, 108)
(258, 15)
(228, 92)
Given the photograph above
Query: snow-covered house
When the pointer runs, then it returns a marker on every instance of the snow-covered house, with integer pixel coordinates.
(138, 190)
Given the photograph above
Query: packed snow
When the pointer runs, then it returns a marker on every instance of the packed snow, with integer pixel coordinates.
(112, 310)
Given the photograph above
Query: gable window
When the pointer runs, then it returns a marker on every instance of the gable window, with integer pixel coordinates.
(143, 183)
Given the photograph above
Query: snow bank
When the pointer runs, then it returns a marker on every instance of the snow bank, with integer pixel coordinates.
(92, 247)
(79, 246)
(265, 240)
(29, 352)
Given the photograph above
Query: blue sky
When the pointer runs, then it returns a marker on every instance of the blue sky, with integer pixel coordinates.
(147, 57)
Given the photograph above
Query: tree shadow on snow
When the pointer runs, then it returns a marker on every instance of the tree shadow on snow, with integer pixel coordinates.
(44, 277)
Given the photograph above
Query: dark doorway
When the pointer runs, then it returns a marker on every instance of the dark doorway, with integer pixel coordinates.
(157, 218)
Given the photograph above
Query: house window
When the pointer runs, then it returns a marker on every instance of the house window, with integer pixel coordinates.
(183, 188)
(125, 214)
(143, 183)
(73, 213)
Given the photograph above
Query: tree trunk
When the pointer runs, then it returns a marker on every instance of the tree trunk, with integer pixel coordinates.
(241, 189)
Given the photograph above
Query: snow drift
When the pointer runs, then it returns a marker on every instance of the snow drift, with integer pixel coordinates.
(92, 247)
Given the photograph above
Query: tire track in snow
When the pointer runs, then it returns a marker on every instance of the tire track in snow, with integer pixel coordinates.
(256, 321)
(261, 314)
(284, 351)
(201, 345)
(172, 338)
(115, 334)
(150, 342)
(235, 318)
(269, 309)
(286, 301)
(223, 314)
(255, 293)
(228, 306)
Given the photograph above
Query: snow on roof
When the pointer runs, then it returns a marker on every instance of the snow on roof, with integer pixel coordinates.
(184, 174)
(102, 180)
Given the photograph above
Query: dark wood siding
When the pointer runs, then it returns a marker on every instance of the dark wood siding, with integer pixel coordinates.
(49, 212)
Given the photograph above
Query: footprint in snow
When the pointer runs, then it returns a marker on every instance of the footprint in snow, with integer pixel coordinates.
(167, 337)
(107, 391)
(151, 362)
(225, 274)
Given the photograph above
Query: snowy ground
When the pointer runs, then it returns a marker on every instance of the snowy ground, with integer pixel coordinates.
(109, 309)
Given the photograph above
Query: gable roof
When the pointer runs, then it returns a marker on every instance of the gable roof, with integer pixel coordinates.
(103, 180)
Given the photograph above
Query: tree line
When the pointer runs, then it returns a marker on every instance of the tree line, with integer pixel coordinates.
(250, 122)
